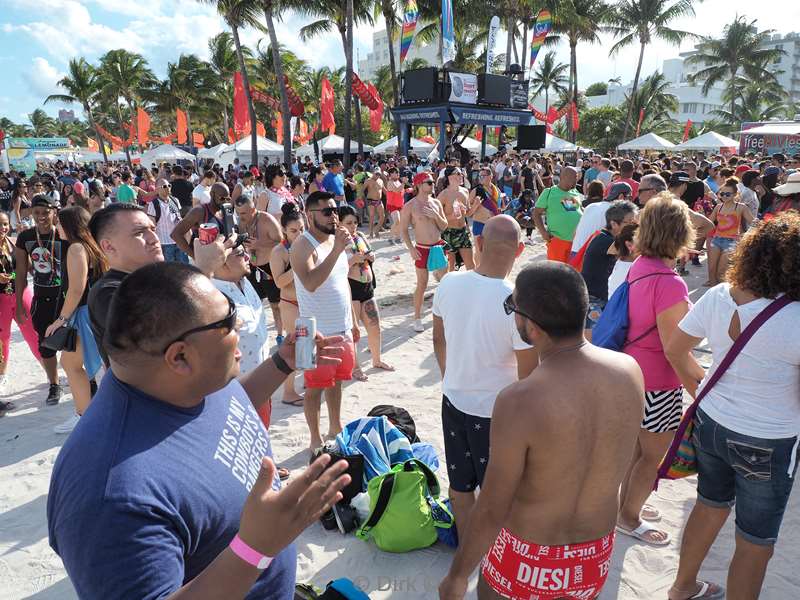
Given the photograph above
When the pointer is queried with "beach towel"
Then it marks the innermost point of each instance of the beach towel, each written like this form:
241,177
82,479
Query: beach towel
380,443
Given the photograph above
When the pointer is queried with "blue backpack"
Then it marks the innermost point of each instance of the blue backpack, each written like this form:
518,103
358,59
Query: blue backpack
611,330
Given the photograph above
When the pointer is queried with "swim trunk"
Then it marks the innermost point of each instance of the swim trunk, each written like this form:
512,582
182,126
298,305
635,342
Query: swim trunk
517,569
466,447
375,203
457,238
361,291
558,249
477,227
663,410
264,284
325,376
424,251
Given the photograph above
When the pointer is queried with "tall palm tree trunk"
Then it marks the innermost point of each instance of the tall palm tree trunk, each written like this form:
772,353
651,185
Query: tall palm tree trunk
348,80
225,124
524,49
189,132
388,16
509,40
277,62
359,127
547,99
251,110
633,92
124,136
734,92
88,110
514,43
573,74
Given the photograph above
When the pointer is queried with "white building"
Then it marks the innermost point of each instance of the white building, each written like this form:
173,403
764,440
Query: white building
379,56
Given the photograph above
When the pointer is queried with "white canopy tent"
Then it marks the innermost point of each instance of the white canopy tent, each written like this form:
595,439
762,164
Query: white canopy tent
390,146
648,141
332,144
555,144
213,152
471,144
243,151
710,140
164,153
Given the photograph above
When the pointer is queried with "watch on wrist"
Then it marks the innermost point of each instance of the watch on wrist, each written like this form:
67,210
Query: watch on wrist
281,364
248,554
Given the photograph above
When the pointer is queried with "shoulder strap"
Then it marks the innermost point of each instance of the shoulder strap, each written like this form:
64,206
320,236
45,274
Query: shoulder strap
384,495
430,479
741,341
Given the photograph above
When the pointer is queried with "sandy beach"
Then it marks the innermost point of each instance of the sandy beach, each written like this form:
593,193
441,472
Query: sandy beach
28,449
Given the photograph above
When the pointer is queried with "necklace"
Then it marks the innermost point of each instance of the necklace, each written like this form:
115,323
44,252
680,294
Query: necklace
560,350
54,280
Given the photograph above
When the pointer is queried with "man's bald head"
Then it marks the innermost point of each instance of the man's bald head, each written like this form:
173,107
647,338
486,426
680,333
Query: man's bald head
501,230
569,177
218,191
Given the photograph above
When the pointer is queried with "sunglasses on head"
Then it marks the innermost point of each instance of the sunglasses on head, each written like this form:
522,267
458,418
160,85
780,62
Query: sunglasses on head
326,212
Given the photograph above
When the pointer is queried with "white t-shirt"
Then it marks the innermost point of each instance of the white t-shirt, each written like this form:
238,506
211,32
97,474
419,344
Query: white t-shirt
759,394
253,333
481,339
604,177
202,194
276,201
618,275
592,219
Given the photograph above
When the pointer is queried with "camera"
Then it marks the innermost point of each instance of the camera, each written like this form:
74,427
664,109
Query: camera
228,225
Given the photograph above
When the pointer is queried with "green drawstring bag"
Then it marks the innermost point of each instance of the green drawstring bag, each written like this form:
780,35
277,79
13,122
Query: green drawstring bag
436,258
400,517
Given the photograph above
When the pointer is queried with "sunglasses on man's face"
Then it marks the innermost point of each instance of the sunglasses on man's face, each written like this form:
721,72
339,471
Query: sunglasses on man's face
228,322
510,307
326,212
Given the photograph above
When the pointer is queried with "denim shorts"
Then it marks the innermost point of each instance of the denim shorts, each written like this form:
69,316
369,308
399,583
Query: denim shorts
596,306
724,244
752,473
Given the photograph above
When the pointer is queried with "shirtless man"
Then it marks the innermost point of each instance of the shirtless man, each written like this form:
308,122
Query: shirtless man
483,204
426,216
454,200
373,189
557,460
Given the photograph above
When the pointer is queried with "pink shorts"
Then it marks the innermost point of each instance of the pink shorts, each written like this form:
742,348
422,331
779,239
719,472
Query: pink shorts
325,376
523,570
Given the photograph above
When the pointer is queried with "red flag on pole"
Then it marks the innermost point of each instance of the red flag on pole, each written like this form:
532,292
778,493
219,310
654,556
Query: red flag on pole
686,130
277,123
198,139
241,115
231,138
376,114
639,124
142,126
91,144
260,129
576,123
479,134
326,103
181,126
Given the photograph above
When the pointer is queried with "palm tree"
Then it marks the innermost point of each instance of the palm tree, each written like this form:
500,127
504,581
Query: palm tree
82,86
224,62
271,12
757,101
642,21
549,75
388,8
41,123
578,21
237,14
740,51
658,105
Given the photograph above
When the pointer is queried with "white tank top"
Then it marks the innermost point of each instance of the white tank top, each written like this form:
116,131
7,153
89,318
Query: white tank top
330,303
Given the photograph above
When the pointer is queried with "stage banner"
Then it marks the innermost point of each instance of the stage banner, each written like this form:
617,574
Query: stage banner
494,28
463,87
448,32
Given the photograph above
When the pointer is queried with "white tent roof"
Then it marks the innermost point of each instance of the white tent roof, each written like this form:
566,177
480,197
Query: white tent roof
474,145
264,145
213,152
333,144
556,144
164,152
710,140
648,141
775,129
390,146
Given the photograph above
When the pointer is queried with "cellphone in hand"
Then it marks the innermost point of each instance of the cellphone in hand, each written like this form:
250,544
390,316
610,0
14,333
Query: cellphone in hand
228,226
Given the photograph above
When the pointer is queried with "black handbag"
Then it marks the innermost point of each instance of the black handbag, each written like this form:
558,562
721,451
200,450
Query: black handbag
65,339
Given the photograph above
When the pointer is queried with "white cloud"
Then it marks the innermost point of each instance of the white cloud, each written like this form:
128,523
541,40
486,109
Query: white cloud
42,78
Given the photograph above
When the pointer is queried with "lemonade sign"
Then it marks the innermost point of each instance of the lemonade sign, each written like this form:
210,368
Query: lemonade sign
20,154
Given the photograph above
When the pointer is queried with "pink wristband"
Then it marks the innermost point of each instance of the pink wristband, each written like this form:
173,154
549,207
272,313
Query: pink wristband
248,554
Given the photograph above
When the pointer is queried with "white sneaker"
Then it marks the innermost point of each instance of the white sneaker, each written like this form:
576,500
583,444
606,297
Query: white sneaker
418,326
68,425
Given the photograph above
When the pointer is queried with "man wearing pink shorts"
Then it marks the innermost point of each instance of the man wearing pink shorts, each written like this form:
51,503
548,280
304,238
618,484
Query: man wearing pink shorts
320,271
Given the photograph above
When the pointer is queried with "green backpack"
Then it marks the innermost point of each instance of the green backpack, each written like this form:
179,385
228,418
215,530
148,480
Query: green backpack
400,516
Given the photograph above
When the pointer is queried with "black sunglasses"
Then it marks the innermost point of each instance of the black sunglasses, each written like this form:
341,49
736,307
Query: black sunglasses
726,194
510,307
428,181
326,212
228,322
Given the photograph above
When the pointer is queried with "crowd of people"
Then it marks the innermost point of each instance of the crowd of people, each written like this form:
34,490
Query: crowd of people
169,356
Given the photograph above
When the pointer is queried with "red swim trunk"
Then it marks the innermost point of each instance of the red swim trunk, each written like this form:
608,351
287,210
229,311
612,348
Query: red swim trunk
523,570
558,249
325,376
424,251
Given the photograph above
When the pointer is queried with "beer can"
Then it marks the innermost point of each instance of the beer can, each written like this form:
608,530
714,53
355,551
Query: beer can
208,233
305,345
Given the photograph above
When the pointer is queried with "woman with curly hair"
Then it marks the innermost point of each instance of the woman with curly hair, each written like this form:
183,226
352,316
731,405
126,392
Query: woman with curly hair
746,427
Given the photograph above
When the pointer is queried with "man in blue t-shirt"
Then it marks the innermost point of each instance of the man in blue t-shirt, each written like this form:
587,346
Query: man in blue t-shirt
333,181
167,482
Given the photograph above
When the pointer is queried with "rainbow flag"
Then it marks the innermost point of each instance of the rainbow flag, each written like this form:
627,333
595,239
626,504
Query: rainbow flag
409,26
541,28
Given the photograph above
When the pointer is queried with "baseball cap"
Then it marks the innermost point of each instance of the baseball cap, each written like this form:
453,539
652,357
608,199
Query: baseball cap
618,189
716,164
77,187
452,171
42,200
772,170
678,178
422,177
741,169
255,171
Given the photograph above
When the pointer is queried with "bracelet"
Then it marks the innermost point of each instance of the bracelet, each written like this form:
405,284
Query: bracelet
281,364
248,554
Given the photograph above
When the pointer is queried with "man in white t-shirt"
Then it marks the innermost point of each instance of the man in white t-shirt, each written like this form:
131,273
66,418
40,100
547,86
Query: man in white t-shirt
594,215
202,192
479,352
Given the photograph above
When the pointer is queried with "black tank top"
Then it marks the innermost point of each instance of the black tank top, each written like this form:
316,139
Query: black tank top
694,191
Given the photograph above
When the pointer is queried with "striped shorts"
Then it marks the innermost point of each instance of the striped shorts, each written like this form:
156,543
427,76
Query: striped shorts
662,410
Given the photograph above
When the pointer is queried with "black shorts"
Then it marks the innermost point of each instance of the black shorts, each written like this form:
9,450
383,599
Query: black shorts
45,309
466,447
361,291
264,284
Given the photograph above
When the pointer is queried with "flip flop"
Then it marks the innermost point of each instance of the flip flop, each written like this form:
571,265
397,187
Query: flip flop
384,366
298,402
359,376
650,513
283,473
706,592
641,532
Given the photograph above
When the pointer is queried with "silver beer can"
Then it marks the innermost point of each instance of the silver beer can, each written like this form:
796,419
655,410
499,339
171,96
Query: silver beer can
305,345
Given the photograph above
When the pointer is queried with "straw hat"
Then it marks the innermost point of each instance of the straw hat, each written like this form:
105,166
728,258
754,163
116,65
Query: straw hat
792,186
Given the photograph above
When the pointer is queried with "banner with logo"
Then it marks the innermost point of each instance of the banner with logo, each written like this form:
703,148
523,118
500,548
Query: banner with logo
494,28
448,32
20,152
410,18
463,88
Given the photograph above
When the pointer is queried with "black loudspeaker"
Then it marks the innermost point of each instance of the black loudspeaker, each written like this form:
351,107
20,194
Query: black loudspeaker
519,94
531,137
494,89
421,85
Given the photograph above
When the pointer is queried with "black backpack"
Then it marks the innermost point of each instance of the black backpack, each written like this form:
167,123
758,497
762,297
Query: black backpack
399,417
172,203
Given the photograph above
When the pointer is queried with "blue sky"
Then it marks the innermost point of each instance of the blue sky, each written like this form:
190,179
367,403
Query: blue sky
38,37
